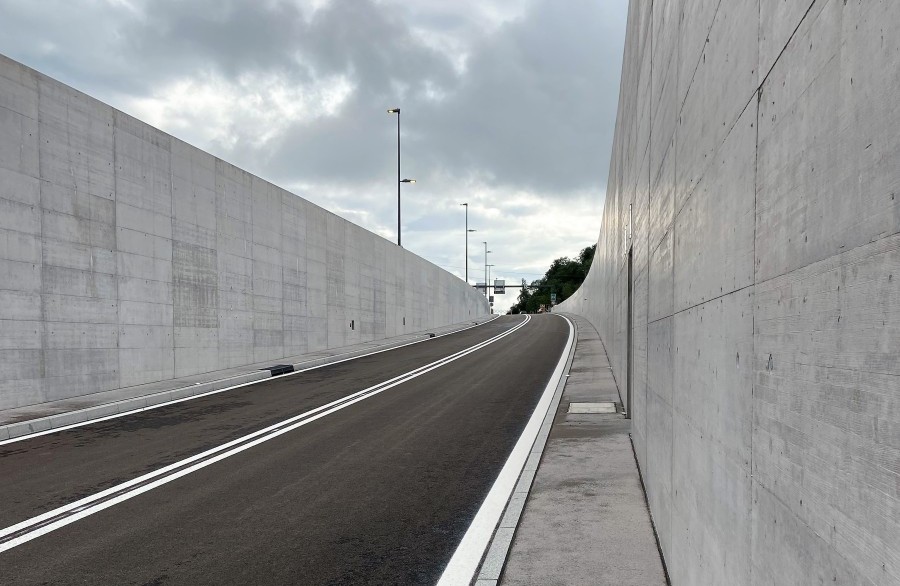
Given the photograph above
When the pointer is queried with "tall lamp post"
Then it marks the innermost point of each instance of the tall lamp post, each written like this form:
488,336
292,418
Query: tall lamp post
467,240
399,181
398,207
488,295
486,252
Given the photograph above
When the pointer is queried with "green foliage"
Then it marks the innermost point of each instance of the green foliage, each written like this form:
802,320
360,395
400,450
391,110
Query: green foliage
563,277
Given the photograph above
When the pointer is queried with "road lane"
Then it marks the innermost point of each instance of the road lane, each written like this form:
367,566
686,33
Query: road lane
49,471
380,492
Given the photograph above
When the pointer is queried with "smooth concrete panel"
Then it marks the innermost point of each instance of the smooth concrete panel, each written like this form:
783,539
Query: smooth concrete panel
76,140
722,86
662,176
639,340
710,513
695,21
657,469
786,551
662,280
714,231
778,20
829,160
713,372
19,305
827,402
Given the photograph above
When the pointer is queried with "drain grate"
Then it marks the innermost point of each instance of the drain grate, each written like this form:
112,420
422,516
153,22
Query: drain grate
608,407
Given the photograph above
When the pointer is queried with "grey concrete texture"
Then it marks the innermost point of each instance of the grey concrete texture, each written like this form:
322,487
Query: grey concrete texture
129,257
753,178
586,519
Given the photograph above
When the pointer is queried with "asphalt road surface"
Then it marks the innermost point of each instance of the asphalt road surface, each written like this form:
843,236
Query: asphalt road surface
378,492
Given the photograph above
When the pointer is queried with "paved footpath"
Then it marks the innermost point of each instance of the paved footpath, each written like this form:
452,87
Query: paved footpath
585,519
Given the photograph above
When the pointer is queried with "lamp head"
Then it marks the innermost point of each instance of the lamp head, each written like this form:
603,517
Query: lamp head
394,111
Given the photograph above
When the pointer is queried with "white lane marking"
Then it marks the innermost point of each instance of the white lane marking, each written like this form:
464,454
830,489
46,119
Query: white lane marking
100,501
216,391
461,569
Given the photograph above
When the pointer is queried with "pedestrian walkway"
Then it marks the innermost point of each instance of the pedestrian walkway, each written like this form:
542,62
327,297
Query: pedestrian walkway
586,519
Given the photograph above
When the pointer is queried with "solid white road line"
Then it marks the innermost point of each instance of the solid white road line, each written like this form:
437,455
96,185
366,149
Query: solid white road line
461,569
216,391
35,527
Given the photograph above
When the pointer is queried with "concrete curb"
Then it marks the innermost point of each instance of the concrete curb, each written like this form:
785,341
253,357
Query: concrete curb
136,404
492,565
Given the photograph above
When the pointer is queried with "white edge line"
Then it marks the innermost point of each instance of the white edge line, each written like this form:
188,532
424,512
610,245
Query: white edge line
498,551
208,393
462,567
300,420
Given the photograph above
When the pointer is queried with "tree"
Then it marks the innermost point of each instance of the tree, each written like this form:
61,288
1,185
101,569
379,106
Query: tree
564,277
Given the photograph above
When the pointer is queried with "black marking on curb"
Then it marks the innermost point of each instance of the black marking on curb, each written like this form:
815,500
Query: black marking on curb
279,369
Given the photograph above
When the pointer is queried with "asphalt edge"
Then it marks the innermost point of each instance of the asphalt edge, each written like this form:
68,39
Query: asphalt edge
491,568
21,429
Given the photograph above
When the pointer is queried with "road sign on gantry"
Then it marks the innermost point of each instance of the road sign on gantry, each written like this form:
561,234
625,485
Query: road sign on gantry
499,286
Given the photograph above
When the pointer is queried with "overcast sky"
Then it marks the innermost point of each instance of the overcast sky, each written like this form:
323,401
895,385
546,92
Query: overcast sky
508,105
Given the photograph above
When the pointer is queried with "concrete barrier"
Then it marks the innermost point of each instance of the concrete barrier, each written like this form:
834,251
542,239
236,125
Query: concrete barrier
746,286
128,256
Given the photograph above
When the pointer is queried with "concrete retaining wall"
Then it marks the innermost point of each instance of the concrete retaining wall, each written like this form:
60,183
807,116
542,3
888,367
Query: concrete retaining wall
755,178
128,256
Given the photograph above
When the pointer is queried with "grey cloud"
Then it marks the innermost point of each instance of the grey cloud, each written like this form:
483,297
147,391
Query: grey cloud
526,113
231,36
529,111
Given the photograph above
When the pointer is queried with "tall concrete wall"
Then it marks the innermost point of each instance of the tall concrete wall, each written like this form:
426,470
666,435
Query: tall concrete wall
755,178
128,256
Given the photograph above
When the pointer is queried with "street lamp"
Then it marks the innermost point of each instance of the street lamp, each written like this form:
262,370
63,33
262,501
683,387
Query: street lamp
399,181
486,252
467,240
489,277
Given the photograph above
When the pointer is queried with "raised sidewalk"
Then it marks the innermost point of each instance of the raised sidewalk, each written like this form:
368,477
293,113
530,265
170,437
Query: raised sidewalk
585,519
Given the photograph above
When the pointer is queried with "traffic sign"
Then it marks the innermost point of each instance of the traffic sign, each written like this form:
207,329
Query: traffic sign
499,286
